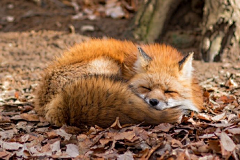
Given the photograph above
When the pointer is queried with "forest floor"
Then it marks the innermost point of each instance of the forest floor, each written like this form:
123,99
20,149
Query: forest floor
35,36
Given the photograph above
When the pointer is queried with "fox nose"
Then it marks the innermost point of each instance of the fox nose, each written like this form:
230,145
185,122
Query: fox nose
153,102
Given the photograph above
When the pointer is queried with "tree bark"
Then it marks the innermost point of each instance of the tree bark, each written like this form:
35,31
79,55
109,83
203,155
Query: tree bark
220,26
151,18
220,29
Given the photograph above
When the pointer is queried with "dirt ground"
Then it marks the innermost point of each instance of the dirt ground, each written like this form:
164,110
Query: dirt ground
38,34
43,31
49,25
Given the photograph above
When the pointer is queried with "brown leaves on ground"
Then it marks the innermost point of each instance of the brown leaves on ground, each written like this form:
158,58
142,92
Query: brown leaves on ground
213,134
214,137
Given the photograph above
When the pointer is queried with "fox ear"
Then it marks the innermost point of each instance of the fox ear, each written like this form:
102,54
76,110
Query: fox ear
185,66
142,60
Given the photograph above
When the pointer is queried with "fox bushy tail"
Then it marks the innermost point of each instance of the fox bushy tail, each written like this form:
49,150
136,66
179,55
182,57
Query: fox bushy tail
98,100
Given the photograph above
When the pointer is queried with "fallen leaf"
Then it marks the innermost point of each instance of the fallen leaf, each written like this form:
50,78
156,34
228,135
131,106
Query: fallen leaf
140,132
87,28
207,136
62,133
181,156
7,134
46,148
84,143
4,119
203,149
55,147
176,143
71,129
51,134
204,116
42,130
24,138
3,154
115,12
29,117
234,130
160,149
116,124
10,145
165,127
124,135
23,152
16,117
72,150
226,99
105,141
126,156
214,145
226,142
231,83
218,117
16,94
33,150
221,125
26,109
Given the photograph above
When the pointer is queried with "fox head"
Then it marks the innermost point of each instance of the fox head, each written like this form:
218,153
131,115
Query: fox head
163,78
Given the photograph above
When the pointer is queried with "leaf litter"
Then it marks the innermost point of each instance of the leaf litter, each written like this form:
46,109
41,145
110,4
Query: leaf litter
212,134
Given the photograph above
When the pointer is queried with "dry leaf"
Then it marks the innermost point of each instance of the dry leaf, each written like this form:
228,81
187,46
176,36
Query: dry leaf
218,117
7,134
234,130
24,138
207,136
4,119
124,135
204,116
10,145
51,134
176,143
116,124
126,156
55,147
226,142
231,83
71,129
165,127
221,125
3,154
84,143
62,133
105,141
72,150
214,145
226,99
29,117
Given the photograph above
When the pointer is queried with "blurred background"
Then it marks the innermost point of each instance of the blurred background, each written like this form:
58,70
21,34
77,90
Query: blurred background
209,28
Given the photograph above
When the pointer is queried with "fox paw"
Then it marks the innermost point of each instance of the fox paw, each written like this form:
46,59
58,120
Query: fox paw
54,112
54,118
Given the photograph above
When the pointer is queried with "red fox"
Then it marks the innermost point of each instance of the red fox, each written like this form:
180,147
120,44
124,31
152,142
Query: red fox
99,80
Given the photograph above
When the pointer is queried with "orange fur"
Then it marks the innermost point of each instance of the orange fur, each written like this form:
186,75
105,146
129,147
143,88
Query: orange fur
80,87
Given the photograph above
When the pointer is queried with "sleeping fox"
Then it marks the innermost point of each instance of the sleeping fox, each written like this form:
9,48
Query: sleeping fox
96,81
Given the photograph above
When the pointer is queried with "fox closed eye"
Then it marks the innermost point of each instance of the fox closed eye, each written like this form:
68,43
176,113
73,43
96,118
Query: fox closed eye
169,91
146,88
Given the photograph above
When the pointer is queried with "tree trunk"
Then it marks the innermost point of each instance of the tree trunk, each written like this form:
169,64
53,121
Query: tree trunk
151,18
220,29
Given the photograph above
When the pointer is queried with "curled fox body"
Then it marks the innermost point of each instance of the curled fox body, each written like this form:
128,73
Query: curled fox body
99,80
